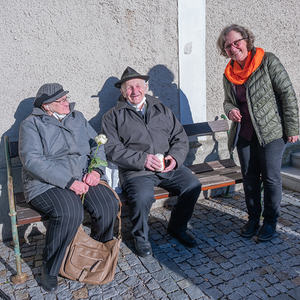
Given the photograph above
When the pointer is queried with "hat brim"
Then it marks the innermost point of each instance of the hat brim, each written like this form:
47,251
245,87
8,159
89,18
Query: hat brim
119,83
52,99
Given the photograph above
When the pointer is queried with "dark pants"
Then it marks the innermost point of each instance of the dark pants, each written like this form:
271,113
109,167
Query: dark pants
65,213
140,194
261,164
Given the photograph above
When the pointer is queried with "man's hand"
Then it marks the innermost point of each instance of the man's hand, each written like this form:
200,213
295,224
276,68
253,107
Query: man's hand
170,165
235,115
92,178
152,163
293,139
79,187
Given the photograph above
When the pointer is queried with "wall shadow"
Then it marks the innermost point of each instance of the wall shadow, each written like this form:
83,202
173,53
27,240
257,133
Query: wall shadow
108,97
161,83
23,110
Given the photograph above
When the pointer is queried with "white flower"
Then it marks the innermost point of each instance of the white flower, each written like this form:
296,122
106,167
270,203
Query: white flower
101,139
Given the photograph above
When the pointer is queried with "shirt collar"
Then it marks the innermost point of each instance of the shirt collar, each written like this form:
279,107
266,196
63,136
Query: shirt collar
139,107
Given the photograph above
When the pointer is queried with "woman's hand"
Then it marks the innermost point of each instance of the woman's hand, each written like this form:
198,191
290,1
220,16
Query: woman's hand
79,187
235,115
293,139
92,178
170,165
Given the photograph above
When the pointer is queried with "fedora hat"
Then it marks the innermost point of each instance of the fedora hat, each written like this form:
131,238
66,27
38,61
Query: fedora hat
48,93
128,74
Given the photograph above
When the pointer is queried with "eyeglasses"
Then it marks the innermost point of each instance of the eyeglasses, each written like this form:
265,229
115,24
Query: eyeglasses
63,100
235,44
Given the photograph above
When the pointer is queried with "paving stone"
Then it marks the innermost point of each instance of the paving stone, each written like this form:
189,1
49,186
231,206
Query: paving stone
159,294
295,293
243,291
214,293
184,283
64,295
153,285
160,275
234,296
271,291
178,295
194,292
225,288
110,293
140,291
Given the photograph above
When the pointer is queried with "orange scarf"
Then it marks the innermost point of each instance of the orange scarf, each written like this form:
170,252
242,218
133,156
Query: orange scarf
235,74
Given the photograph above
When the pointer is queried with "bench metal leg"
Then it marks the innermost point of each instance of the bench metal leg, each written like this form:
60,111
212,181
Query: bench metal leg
20,277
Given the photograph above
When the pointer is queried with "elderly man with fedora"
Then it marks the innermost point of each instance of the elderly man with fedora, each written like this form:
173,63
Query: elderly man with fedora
138,128
55,146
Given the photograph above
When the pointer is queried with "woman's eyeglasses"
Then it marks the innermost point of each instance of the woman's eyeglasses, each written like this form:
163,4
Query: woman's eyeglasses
235,44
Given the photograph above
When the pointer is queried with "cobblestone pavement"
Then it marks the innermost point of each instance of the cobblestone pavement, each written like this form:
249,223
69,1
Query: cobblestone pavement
223,266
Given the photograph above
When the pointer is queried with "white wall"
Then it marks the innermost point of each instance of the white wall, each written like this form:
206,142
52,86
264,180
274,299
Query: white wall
85,46
192,72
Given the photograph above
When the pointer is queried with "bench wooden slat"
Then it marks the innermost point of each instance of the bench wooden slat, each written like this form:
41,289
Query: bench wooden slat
206,128
212,165
27,215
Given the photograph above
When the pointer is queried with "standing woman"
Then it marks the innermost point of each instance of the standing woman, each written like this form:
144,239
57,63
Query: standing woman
261,103
56,143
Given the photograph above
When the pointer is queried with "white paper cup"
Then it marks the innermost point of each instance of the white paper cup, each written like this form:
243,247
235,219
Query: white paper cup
162,161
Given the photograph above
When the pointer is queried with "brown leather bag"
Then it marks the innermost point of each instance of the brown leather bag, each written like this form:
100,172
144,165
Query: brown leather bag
90,261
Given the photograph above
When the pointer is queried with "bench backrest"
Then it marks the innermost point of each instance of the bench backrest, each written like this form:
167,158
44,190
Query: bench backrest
206,128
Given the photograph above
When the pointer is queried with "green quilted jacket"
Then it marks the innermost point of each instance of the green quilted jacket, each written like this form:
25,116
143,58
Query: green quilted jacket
271,99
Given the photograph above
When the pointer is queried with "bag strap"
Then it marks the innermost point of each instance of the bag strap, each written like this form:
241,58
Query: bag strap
102,182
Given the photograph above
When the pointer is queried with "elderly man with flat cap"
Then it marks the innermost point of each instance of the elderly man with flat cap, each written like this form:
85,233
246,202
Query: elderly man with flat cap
56,144
138,128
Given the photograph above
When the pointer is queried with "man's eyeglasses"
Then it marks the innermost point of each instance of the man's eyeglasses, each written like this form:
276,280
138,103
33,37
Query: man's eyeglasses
63,100
235,44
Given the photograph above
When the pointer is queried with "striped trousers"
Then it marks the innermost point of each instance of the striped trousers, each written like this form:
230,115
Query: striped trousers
65,212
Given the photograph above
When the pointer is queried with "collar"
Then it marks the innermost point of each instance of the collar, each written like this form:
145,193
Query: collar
139,107
39,112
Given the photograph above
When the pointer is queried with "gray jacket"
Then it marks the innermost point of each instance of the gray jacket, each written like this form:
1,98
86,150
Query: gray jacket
271,100
54,153
131,137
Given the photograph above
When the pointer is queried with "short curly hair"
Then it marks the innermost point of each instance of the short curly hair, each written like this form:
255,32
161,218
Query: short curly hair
246,34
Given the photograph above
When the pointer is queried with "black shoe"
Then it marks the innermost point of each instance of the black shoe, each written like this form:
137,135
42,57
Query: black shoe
250,229
48,282
142,248
183,237
266,232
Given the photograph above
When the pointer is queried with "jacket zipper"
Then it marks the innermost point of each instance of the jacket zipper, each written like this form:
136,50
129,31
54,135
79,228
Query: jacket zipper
250,108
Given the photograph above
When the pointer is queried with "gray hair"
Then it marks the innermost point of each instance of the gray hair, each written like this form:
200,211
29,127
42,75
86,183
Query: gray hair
246,34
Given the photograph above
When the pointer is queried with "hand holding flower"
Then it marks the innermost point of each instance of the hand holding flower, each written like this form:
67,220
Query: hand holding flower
79,187
92,177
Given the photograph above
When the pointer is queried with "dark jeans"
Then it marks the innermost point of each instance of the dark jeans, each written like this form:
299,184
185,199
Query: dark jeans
261,164
140,194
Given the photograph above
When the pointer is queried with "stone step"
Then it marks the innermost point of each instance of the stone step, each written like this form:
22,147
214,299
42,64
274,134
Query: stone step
291,178
295,160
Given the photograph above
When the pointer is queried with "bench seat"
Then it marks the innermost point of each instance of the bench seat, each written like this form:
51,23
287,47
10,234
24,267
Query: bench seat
212,175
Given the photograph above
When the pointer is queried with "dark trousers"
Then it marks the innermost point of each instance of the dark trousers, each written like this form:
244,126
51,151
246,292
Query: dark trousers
140,194
261,164
65,212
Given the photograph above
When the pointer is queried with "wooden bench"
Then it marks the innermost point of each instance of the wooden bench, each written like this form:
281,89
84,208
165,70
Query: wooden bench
212,175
